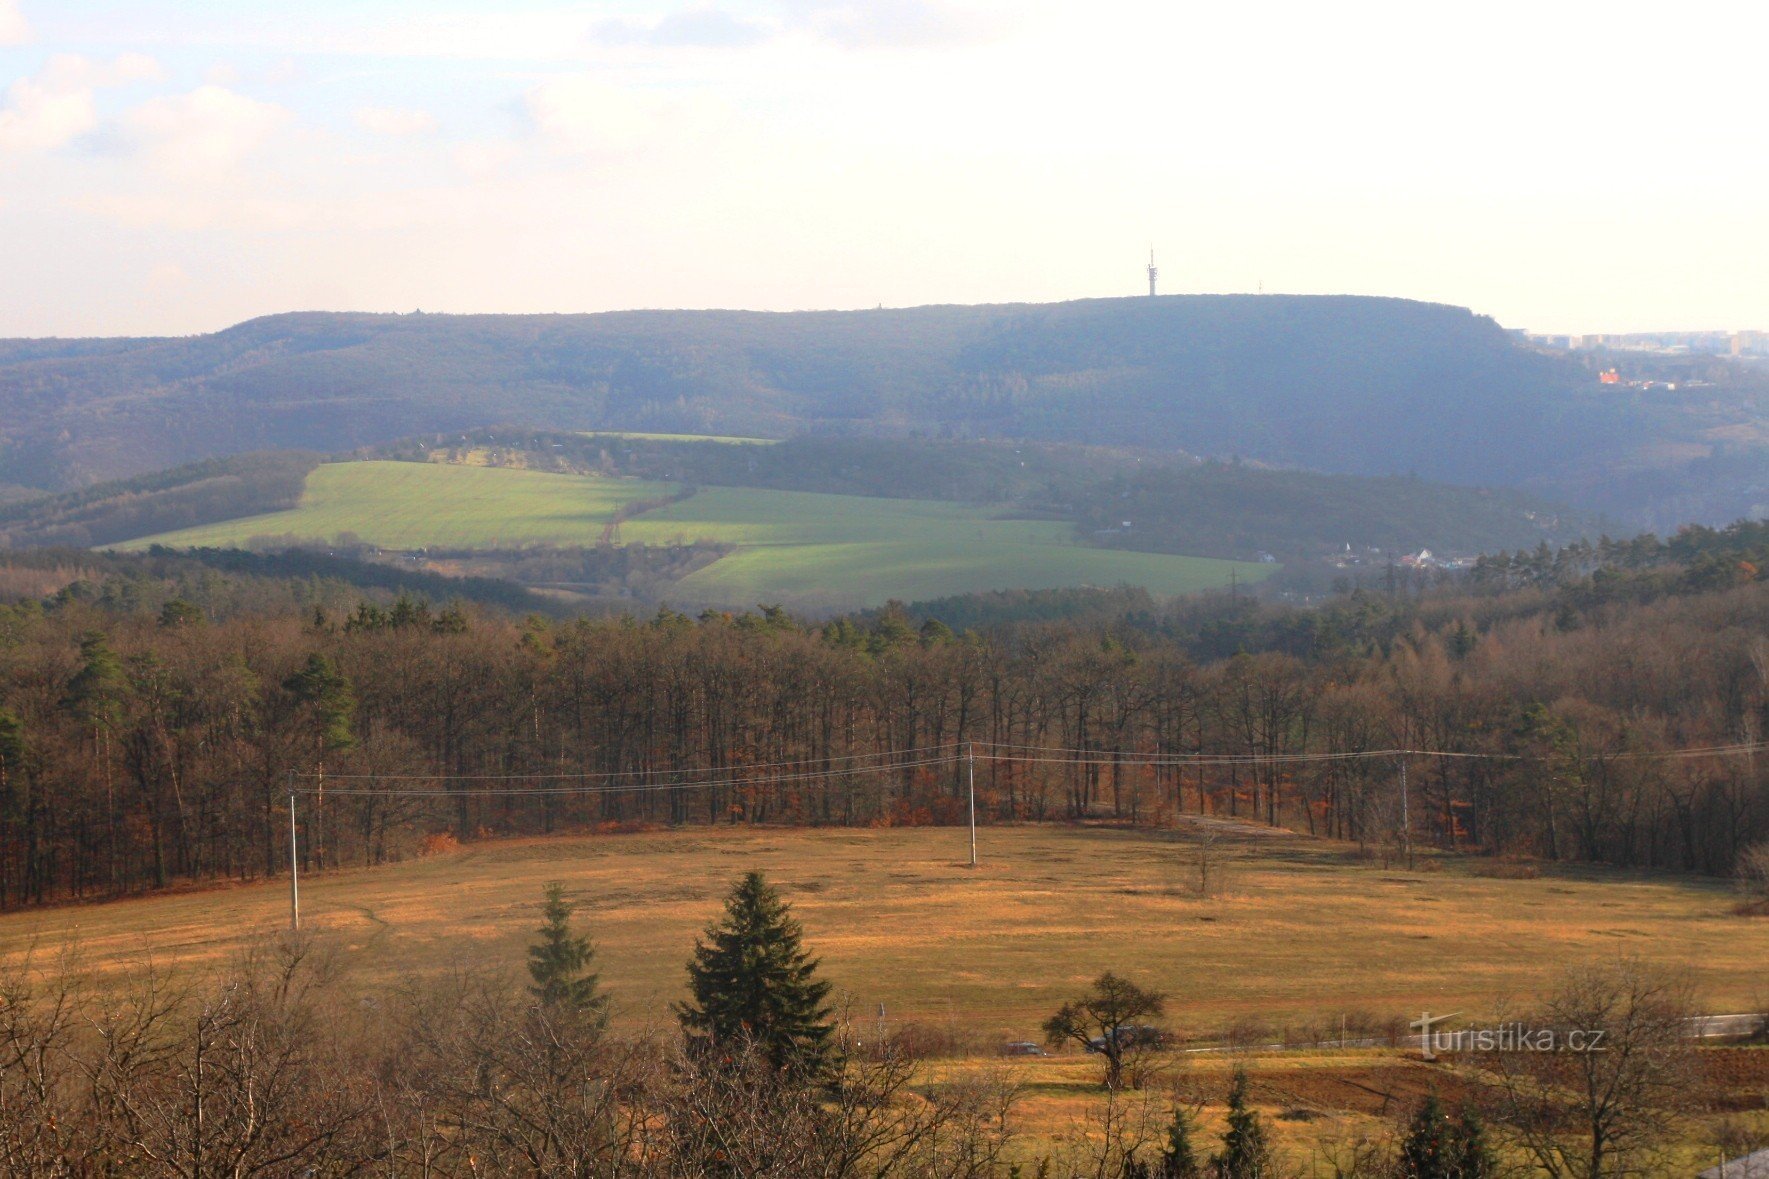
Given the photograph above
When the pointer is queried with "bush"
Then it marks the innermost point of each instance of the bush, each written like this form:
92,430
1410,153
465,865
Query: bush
1753,871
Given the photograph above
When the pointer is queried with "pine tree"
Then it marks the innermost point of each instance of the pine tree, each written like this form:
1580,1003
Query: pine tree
752,982
557,962
1178,1159
1245,1152
331,698
1438,1148
96,692
1429,1149
1474,1157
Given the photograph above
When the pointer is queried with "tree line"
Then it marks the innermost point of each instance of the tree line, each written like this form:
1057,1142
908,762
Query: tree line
140,745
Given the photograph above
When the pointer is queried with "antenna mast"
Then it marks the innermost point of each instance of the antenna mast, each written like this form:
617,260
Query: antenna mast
1152,272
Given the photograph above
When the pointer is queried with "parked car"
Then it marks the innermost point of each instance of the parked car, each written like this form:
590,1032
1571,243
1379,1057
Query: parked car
1023,1048
1132,1035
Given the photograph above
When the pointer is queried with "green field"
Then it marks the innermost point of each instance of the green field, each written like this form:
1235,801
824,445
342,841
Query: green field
423,505
806,547
800,548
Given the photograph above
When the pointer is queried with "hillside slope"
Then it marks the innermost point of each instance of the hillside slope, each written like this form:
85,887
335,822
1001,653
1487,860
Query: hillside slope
1342,384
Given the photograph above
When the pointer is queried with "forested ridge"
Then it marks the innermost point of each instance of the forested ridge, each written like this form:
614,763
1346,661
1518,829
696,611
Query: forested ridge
1339,384
146,739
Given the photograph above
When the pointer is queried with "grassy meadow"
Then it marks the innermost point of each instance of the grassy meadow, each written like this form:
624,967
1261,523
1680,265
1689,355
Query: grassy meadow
1303,932
801,548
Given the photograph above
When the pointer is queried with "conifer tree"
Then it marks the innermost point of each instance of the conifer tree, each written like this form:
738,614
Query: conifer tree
1178,1159
1246,1154
1428,1151
1474,1155
329,695
558,962
1437,1147
753,982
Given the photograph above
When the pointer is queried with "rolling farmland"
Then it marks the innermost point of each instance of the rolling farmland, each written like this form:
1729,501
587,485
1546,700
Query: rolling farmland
800,548
416,505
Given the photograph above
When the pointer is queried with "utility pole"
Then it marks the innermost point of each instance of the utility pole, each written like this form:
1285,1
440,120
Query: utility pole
1406,822
294,863
970,759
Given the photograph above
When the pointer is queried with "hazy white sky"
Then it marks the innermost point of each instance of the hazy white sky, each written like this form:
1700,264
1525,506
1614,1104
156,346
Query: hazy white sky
171,166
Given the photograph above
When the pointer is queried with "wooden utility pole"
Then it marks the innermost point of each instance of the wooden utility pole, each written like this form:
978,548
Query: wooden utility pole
970,759
1406,820
294,863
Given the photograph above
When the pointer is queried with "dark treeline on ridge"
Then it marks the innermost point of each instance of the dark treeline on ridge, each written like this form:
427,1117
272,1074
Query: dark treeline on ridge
106,513
144,744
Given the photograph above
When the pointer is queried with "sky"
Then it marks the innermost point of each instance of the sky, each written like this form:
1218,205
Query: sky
176,166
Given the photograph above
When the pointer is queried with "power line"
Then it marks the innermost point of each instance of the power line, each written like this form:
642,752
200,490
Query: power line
636,788
1019,754
584,774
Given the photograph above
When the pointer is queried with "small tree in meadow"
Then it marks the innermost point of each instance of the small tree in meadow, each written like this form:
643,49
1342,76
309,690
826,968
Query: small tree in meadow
1246,1152
1105,1020
559,962
754,984
1438,1146
1179,1159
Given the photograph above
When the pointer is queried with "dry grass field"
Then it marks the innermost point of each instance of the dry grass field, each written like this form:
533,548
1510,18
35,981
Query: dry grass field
1303,932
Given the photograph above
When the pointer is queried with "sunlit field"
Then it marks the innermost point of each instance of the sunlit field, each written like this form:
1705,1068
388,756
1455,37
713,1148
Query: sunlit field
1303,932
798,548
419,505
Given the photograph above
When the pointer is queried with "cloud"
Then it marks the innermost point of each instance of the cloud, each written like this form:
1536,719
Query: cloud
902,24
582,114
208,130
386,120
694,28
14,29
59,103
484,157
578,113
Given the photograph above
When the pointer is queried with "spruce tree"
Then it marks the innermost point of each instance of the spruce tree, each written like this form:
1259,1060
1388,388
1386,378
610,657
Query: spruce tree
1178,1159
753,983
559,960
1245,1152
1429,1149
1438,1148
1474,1156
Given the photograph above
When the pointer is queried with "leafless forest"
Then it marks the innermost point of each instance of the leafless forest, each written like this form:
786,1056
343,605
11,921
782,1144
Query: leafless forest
143,745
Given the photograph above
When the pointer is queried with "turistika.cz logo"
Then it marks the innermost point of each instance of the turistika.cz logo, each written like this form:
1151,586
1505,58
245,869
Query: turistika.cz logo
1504,1037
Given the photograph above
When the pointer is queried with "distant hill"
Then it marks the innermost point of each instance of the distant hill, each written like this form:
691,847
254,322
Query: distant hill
1337,384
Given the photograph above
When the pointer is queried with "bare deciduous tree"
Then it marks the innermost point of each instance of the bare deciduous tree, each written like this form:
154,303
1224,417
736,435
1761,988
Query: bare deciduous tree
1600,1102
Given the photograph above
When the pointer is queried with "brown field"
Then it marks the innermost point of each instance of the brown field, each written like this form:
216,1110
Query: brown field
1305,932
